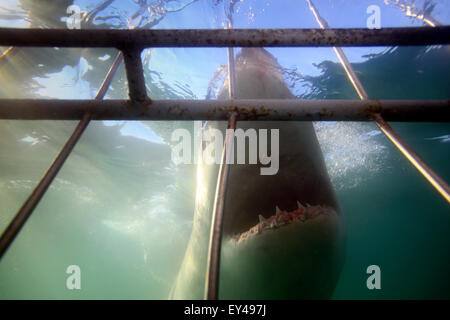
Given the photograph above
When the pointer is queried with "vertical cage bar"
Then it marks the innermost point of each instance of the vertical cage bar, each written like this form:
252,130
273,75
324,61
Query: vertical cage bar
231,66
135,74
215,242
231,74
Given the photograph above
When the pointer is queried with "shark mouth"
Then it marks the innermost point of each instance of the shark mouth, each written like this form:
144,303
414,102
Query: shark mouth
283,218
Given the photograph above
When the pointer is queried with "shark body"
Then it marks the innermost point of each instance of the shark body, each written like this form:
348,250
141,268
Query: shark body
283,235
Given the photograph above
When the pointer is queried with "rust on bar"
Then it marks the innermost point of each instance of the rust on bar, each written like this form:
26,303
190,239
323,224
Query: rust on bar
248,109
147,38
135,74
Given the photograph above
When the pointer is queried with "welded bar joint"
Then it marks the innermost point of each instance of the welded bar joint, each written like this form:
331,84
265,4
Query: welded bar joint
135,74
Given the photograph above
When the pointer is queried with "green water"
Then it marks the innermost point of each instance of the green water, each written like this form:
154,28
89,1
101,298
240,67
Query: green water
122,211
400,223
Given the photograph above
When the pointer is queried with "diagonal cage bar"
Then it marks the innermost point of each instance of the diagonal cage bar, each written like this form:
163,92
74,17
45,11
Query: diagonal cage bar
30,204
27,208
7,54
432,177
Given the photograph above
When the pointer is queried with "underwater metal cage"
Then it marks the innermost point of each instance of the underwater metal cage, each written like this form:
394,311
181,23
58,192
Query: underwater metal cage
139,106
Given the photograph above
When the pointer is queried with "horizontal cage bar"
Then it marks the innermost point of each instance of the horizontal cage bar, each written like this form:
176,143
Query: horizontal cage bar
275,109
125,39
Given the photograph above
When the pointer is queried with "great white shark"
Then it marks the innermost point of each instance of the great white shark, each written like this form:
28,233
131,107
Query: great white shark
283,234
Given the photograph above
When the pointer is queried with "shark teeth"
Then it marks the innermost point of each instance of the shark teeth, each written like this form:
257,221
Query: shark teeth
277,210
280,221
282,218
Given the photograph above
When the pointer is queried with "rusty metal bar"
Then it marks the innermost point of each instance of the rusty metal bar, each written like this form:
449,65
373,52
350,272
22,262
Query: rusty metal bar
135,75
248,109
213,265
30,204
123,39
437,182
